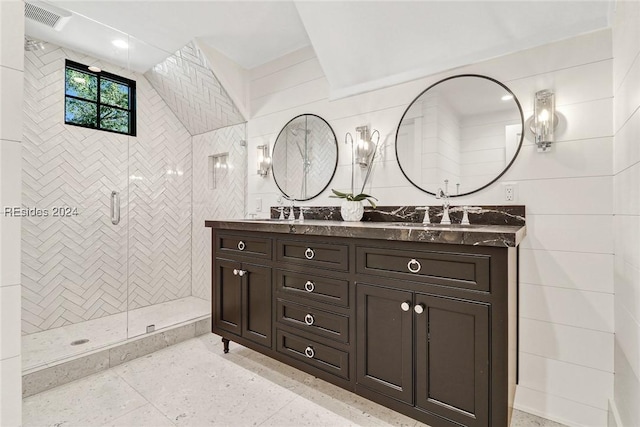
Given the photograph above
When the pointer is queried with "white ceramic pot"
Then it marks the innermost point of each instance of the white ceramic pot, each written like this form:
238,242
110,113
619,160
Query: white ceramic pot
351,211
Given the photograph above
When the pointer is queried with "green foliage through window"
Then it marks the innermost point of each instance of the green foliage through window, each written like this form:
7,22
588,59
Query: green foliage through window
99,100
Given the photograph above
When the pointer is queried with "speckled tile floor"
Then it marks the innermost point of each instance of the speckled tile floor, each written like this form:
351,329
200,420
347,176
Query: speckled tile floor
195,384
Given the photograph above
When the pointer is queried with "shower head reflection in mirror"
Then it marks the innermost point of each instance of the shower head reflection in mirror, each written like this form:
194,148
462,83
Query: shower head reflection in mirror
466,129
305,157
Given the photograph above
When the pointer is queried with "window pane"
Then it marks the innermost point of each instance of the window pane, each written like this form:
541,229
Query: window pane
114,119
114,93
80,112
81,84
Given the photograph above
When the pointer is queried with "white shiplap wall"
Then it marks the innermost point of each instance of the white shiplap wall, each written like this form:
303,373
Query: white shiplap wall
566,278
11,85
626,190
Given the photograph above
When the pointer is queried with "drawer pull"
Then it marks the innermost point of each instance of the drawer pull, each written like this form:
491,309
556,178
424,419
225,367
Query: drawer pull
419,308
309,286
242,272
308,319
405,306
235,272
241,245
309,352
309,253
414,266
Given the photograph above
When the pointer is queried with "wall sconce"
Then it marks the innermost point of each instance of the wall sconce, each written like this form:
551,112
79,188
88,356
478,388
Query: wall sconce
264,160
544,119
364,146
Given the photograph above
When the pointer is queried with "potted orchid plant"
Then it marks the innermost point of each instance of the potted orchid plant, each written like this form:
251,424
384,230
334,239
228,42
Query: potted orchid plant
352,208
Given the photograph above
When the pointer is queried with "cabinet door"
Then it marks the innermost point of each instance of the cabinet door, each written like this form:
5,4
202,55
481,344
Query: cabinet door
452,359
384,341
256,290
228,296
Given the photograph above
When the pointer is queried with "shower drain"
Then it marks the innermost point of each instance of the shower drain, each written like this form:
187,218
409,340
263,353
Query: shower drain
80,342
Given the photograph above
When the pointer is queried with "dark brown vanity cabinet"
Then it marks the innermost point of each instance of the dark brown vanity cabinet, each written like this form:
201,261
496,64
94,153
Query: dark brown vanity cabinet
426,329
242,298
425,350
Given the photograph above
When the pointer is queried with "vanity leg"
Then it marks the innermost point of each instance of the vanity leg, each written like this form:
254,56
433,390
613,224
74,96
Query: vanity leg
225,343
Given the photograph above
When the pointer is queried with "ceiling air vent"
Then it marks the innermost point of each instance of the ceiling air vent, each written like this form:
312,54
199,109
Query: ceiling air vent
46,14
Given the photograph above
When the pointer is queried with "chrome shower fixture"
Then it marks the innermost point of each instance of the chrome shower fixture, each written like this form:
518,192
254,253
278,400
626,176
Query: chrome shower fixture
33,44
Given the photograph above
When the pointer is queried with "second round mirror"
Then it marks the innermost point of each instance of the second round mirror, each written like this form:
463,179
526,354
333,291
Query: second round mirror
465,130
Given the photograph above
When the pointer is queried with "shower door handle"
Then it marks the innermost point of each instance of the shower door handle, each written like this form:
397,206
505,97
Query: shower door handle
115,207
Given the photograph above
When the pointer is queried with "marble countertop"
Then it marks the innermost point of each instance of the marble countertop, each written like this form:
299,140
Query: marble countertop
475,234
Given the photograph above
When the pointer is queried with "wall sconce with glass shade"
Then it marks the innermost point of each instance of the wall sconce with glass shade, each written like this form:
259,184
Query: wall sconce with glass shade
264,160
365,147
544,120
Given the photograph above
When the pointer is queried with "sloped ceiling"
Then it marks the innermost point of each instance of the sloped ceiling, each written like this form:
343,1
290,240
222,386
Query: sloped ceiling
366,45
185,82
361,45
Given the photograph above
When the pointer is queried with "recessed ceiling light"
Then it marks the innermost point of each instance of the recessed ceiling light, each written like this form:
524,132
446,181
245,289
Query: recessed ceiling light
79,80
507,97
95,69
120,43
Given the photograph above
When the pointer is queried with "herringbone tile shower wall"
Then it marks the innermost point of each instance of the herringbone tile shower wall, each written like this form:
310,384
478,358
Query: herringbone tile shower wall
226,200
189,87
76,268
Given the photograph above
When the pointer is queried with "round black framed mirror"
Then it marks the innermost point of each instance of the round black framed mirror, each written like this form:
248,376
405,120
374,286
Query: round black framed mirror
305,157
466,130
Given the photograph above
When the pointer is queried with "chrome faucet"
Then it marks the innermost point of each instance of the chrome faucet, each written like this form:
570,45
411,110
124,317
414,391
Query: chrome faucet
444,195
292,215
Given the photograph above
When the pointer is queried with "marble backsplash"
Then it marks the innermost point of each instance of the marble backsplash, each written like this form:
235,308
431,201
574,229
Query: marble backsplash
486,215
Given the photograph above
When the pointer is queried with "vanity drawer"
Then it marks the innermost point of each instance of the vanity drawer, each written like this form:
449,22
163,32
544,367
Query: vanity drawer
448,269
325,255
313,287
244,245
321,356
309,319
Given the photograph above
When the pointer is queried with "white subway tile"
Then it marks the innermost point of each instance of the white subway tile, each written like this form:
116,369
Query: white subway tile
588,386
572,270
570,344
11,84
583,309
558,409
10,305
11,392
575,233
12,34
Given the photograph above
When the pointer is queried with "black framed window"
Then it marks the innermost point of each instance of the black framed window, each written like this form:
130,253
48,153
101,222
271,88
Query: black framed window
99,100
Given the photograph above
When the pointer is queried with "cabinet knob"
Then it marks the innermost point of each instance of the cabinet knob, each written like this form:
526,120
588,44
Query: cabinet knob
309,352
308,319
414,266
241,245
309,253
309,286
235,271
405,306
242,272
419,308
